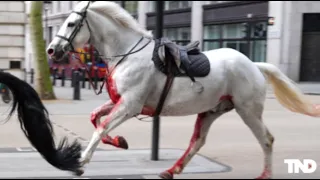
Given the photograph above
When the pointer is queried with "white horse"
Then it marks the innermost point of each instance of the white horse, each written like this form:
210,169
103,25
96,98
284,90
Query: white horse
135,84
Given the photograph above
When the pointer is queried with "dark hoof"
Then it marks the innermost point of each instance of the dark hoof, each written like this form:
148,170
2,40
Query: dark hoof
78,172
166,175
123,143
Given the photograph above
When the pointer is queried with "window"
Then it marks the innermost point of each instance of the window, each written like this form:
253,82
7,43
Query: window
131,6
207,45
181,36
170,5
251,42
15,64
212,32
259,30
217,2
259,50
233,31
241,46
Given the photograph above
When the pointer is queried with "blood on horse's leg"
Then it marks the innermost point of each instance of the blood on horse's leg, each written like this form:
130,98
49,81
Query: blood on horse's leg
198,139
100,111
119,113
117,141
96,114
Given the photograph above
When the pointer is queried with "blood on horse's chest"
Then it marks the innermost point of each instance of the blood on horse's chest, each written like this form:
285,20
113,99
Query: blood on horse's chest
112,90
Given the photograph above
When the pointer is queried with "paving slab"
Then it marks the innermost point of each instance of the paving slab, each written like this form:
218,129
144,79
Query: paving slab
115,163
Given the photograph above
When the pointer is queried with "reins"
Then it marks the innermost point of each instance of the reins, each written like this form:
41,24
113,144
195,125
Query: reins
107,68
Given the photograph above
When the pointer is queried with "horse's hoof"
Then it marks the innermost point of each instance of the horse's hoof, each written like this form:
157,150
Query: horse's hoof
266,174
122,143
78,172
263,176
166,175
260,177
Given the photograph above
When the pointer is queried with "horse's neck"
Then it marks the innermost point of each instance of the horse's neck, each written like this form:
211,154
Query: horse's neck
111,39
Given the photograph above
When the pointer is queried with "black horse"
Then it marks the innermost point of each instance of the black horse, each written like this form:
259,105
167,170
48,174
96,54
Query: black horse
37,127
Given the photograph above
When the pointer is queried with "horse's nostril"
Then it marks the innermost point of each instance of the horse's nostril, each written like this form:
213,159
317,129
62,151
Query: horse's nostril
50,52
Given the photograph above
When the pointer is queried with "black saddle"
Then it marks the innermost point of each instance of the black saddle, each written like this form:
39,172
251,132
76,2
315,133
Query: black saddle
188,60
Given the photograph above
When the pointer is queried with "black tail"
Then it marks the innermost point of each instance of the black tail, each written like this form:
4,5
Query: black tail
36,125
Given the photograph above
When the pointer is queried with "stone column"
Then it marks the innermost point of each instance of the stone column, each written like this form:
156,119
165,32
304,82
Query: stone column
196,22
142,10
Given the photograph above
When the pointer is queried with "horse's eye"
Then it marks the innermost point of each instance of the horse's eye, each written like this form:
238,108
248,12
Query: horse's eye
71,24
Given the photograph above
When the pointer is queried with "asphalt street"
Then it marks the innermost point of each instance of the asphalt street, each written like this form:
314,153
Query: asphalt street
231,150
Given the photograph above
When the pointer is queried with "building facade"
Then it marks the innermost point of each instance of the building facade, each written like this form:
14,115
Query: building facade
294,39
12,36
289,41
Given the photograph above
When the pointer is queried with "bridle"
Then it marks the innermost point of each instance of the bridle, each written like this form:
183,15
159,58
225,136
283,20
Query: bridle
77,28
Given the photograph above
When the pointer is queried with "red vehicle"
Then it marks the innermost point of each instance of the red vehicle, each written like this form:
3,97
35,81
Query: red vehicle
78,61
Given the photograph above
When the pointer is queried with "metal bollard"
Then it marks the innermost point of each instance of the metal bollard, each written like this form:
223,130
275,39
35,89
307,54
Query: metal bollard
83,78
24,74
55,71
63,77
76,87
95,78
72,77
32,76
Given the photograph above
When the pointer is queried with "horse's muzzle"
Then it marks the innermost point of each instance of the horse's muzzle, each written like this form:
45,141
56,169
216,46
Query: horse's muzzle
56,54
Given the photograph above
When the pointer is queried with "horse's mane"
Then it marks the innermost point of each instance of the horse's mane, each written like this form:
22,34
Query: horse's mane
119,15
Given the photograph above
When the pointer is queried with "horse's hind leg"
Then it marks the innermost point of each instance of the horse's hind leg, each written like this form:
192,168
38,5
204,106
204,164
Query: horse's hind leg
252,116
198,139
96,114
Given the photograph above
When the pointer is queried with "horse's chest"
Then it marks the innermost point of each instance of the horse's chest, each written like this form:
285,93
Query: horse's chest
112,90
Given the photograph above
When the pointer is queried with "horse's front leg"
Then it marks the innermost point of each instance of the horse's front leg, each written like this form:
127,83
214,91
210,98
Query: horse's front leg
103,110
122,111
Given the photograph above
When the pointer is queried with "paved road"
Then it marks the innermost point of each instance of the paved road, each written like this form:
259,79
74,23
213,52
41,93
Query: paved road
229,142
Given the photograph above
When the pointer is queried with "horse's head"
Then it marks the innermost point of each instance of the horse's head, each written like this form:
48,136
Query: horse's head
73,34
109,27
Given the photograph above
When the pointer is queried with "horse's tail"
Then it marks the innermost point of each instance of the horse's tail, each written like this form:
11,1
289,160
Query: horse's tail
36,125
286,91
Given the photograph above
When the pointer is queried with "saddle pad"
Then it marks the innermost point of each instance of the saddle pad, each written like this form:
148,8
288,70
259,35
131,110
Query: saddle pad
199,67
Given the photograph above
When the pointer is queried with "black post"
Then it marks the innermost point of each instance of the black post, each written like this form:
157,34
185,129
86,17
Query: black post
55,72
72,77
24,74
32,75
63,77
95,78
83,77
89,77
76,87
156,119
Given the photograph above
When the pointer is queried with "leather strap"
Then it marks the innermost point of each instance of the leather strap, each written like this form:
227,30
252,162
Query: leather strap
165,91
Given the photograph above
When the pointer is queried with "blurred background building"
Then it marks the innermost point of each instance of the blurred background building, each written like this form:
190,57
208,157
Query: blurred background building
284,33
12,36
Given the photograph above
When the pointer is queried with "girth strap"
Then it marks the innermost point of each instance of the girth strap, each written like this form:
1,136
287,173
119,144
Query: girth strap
165,91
